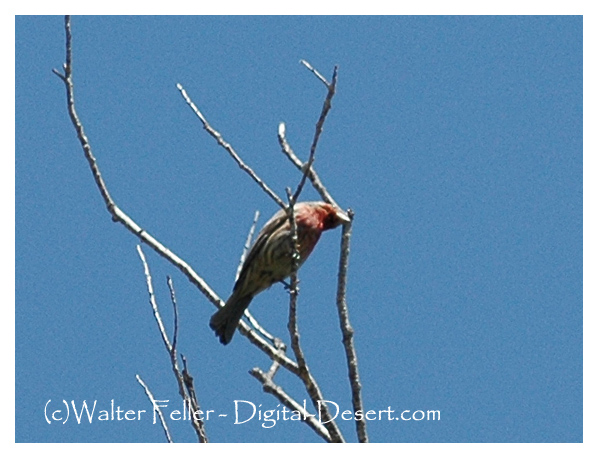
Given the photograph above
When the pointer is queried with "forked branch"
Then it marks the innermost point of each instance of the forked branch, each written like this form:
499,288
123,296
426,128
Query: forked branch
120,216
329,430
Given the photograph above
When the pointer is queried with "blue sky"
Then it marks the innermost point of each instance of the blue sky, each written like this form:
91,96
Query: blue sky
456,140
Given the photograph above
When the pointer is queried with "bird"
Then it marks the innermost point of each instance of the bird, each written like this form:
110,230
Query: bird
269,260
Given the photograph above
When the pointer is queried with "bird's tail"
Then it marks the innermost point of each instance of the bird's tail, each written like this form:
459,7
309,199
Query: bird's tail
225,320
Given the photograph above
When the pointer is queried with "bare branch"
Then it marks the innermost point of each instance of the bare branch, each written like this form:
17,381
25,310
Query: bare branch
197,424
192,403
156,408
58,74
315,72
312,175
227,146
171,289
119,216
319,124
273,368
267,348
150,288
348,331
304,372
328,429
248,315
248,244
271,388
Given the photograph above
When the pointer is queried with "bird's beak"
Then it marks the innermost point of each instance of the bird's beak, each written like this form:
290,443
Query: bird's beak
342,216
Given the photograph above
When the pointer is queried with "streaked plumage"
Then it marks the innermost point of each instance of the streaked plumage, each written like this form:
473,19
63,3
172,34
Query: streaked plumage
269,259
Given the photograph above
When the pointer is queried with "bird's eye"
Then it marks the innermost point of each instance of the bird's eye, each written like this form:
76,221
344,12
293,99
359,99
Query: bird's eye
330,220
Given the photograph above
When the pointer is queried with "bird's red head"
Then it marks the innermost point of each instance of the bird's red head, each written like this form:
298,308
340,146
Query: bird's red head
319,215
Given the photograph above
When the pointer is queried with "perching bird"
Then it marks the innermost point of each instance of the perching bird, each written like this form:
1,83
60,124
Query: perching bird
270,258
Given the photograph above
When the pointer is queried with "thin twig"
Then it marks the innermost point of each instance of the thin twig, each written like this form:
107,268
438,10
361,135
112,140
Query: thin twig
119,216
315,72
192,400
171,289
319,124
304,372
150,288
348,331
312,175
282,347
227,146
267,348
190,397
156,408
247,245
248,315
271,388
197,424
272,371
274,352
